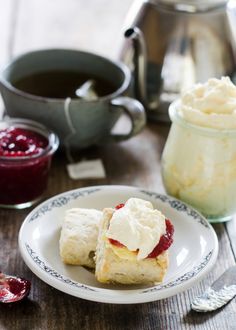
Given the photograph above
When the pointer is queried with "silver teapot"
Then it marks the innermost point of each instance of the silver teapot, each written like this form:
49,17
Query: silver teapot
172,44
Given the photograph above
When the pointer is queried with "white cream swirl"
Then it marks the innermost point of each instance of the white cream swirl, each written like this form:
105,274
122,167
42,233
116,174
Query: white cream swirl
212,104
138,226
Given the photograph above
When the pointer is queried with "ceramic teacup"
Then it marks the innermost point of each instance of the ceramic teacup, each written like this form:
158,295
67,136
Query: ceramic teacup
79,123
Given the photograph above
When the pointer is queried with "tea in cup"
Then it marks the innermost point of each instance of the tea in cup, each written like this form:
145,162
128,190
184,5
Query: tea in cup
45,86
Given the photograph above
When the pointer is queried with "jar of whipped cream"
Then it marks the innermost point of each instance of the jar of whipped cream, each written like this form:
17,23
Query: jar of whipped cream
199,158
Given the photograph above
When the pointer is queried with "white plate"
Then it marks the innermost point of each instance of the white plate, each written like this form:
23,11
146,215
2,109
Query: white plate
192,254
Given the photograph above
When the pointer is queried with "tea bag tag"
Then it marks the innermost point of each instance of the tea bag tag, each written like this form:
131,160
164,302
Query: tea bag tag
87,169
86,91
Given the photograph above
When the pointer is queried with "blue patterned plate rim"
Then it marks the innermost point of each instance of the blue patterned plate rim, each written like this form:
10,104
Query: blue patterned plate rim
93,293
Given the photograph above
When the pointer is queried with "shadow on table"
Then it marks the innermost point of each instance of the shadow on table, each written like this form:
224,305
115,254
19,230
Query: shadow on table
195,318
17,315
60,311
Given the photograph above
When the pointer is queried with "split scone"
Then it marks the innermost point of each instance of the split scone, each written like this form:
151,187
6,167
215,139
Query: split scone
132,244
79,236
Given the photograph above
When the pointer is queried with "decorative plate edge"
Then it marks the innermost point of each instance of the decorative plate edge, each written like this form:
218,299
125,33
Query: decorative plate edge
53,272
61,201
183,278
179,206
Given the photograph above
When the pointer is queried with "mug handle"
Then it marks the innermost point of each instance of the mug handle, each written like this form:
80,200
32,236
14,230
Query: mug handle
135,111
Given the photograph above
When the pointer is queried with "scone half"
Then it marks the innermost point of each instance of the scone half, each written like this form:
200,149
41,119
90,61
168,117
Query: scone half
78,238
119,265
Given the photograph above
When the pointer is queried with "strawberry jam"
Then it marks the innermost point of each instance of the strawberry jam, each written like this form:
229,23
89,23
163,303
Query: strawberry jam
165,241
25,158
119,206
13,289
20,142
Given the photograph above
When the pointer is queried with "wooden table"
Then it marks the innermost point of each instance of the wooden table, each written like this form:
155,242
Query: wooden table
30,24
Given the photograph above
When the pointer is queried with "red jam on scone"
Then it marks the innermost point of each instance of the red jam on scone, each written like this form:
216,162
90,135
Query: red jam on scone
165,241
133,244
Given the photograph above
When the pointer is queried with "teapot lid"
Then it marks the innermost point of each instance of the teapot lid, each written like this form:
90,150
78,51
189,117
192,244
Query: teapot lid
192,6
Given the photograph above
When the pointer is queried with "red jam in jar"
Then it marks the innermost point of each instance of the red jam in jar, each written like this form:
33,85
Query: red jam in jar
26,149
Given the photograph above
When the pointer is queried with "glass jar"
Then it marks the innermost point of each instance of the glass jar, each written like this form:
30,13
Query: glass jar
199,167
26,149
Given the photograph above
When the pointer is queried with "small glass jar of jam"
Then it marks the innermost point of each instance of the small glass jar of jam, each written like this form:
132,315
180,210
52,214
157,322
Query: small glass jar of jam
26,149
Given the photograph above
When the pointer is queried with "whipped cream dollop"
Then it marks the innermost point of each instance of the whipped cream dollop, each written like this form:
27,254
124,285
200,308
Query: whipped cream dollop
212,104
138,226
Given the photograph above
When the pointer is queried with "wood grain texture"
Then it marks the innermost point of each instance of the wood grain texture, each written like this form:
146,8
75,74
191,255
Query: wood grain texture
48,308
94,25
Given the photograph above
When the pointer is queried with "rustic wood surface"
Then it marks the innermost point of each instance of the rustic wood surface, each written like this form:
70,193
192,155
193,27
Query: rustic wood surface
92,25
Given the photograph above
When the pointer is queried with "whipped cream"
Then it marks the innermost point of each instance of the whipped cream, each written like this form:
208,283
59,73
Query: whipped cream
198,168
212,104
138,226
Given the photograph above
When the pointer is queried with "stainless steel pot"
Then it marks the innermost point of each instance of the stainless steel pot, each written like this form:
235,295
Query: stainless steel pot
172,44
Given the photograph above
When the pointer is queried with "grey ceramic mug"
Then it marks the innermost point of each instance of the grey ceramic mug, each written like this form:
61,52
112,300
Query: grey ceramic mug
79,123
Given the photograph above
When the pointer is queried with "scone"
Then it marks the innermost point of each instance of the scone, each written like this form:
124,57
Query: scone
79,235
132,244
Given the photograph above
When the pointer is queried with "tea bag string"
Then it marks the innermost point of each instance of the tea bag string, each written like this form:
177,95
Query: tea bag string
71,128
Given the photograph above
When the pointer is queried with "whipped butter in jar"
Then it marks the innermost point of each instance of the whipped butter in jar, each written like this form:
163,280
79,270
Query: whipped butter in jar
199,158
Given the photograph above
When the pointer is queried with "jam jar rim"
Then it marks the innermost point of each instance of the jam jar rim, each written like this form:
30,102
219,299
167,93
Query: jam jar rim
53,140
208,131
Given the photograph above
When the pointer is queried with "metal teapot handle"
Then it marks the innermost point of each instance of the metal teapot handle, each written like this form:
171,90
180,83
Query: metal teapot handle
139,61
